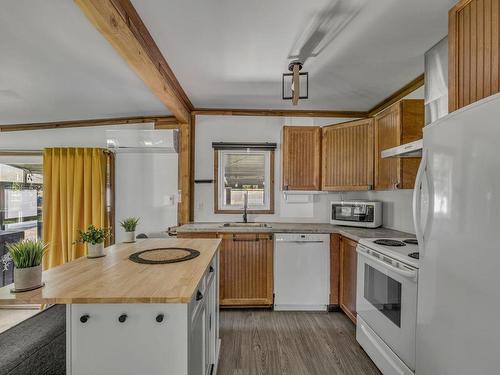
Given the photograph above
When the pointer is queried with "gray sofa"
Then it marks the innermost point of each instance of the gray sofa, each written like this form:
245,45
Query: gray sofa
35,346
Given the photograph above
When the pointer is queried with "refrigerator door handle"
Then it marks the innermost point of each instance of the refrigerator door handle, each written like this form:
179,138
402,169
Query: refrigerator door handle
417,203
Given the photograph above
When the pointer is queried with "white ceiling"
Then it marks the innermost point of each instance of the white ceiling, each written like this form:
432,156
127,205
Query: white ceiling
231,53
54,66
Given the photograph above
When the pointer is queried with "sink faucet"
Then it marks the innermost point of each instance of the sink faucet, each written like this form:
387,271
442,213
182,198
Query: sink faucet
245,207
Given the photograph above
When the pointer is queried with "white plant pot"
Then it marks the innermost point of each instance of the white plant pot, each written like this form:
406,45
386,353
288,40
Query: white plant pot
27,278
95,251
129,237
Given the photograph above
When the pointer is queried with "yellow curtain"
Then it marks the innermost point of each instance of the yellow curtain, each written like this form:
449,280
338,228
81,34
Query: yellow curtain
74,196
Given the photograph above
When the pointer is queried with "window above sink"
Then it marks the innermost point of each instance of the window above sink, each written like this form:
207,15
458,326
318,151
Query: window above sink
244,171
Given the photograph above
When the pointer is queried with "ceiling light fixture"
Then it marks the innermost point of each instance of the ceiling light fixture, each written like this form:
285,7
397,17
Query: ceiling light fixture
292,83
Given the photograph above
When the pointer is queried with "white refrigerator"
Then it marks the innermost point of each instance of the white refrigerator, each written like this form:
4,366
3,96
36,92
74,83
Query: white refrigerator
457,216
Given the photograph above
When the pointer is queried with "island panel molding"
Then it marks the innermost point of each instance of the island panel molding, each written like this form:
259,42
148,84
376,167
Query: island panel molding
116,279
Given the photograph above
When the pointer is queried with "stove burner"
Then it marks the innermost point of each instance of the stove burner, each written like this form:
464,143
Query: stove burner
386,242
414,255
411,241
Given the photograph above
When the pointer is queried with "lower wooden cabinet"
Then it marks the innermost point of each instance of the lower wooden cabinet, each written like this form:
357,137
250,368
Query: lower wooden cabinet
348,275
246,269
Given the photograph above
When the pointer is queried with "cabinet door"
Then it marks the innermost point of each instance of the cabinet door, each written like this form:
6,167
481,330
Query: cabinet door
211,323
198,342
474,29
301,160
246,270
348,274
387,135
209,336
348,156
399,124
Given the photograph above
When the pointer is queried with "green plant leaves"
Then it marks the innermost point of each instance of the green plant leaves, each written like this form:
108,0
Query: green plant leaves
94,235
129,224
27,253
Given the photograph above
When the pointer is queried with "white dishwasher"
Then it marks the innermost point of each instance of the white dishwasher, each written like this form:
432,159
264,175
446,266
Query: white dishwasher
301,271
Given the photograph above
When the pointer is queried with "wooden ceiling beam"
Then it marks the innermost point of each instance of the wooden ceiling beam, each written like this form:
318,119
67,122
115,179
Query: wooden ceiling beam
88,123
277,112
120,24
398,95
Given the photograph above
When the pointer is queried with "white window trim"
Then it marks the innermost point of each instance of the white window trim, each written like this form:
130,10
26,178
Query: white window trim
267,181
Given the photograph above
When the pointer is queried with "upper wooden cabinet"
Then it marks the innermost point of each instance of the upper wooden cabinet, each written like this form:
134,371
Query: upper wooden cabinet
473,39
399,124
348,156
301,158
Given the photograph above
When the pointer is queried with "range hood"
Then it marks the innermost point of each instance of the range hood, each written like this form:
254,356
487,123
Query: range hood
408,150
143,141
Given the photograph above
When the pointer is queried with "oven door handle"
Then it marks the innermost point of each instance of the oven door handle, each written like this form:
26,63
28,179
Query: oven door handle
410,274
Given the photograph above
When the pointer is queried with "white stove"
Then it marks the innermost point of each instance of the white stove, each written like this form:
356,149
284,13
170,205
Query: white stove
397,248
386,302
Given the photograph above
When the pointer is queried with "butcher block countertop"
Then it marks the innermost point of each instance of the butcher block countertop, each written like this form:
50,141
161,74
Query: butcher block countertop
116,279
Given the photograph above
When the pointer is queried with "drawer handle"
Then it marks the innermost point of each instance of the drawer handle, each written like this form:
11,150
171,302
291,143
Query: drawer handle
159,318
84,318
122,318
199,295
235,239
211,269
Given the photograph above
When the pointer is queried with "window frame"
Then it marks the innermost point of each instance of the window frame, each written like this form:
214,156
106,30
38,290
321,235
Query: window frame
218,187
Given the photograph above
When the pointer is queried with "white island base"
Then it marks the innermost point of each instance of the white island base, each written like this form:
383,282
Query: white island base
185,342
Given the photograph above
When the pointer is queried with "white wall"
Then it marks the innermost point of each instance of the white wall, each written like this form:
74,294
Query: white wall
397,204
145,183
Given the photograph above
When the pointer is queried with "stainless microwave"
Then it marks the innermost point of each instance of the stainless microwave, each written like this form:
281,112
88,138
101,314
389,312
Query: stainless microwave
366,214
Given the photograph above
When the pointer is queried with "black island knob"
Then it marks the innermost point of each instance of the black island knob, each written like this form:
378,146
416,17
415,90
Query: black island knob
159,318
84,318
122,318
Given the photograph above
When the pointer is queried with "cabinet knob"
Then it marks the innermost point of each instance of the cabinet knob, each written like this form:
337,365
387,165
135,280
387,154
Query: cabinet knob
122,318
199,295
159,318
211,269
84,318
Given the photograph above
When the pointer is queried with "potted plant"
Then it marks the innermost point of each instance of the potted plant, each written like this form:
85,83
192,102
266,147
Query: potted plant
129,224
27,258
94,238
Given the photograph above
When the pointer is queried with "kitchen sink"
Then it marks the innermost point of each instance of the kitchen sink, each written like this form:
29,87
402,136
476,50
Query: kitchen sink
246,225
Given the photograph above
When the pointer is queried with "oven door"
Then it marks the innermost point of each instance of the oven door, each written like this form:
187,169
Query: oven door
387,301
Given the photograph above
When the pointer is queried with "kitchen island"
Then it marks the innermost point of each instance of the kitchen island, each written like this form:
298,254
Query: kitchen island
133,318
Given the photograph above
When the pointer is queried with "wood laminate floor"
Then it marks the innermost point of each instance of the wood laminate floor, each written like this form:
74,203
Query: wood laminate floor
262,342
